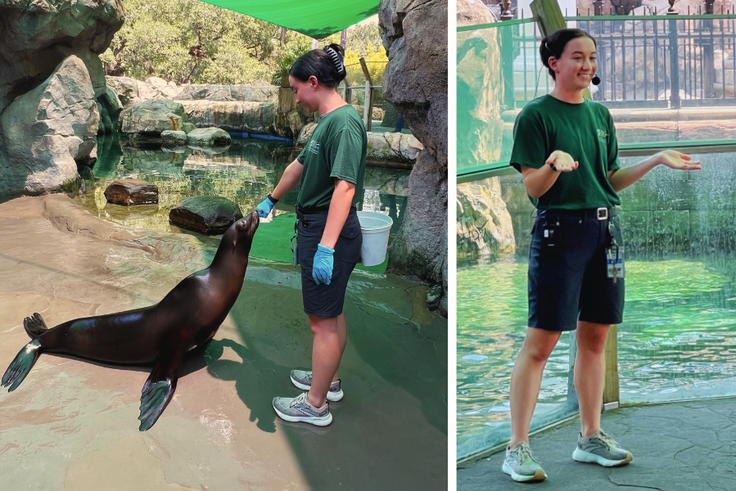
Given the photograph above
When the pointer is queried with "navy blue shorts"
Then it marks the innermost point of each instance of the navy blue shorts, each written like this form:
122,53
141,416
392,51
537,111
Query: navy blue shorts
569,282
327,300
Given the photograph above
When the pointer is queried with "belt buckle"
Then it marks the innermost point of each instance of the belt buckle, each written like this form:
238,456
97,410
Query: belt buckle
602,214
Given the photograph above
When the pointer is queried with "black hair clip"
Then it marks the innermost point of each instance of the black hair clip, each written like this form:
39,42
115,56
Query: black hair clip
335,59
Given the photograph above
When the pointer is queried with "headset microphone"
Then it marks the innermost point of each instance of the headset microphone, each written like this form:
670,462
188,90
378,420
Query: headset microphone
596,80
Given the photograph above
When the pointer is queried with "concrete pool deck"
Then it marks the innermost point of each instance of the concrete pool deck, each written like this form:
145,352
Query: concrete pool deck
681,446
72,424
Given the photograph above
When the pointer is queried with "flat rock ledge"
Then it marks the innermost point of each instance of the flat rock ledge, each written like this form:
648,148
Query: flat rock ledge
210,215
209,137
131,192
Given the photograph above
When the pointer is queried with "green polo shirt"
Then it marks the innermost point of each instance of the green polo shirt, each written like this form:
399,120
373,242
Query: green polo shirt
586,132
338,150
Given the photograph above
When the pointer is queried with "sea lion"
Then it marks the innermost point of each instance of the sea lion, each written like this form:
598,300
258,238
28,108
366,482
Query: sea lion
186,318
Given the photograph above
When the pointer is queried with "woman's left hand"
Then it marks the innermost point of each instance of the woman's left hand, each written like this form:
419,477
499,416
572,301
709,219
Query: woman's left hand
676,160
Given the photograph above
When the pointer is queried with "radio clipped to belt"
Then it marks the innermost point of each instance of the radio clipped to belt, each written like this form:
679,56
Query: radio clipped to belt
614,255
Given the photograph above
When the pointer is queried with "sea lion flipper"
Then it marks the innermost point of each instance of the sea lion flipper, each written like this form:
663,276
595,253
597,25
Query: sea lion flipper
159,389
35,325
21,365
153,402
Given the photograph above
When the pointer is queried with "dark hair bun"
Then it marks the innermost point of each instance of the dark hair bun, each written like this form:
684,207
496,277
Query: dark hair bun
337,55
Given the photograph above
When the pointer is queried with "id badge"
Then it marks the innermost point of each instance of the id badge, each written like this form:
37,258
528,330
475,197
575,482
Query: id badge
615,262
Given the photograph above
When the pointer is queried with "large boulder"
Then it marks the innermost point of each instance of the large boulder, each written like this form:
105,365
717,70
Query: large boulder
48,131
152,117
415,82
171,138
131,192
393,147
209,137
37,35
211,215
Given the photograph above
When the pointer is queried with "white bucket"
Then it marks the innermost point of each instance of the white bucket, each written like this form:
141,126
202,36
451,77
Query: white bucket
375,228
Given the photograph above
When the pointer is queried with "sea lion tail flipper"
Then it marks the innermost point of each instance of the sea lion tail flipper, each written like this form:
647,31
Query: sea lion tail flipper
35,325
21,365
158,390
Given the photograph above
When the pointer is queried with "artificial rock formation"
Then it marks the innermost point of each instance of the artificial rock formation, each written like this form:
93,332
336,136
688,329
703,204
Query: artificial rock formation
209,137
484,224
48,131
37,35
131,192
211,215
479,90
415,82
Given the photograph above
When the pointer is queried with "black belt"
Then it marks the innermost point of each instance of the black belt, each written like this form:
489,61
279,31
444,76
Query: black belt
600,214
301,213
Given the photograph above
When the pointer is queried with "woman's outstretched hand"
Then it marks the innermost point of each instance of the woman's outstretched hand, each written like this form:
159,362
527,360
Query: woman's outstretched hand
676,160
562,160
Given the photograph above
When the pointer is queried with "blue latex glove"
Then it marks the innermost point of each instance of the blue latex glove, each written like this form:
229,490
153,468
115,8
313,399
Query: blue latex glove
323,262
265,207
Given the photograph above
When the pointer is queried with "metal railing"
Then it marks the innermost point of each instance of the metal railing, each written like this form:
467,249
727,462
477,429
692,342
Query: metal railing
643,61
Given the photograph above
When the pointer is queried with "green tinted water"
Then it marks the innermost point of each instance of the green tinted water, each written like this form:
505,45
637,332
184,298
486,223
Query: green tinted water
679,334
678,338
244,173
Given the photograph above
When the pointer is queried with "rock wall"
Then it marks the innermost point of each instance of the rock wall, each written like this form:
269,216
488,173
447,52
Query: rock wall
36,38
131,91
415,82
48,131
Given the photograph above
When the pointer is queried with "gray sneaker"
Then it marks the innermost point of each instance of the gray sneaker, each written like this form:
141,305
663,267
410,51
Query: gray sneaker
302,379
521,465
601,449
299,410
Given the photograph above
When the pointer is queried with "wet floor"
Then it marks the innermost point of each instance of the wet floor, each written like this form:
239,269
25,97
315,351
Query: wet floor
77,420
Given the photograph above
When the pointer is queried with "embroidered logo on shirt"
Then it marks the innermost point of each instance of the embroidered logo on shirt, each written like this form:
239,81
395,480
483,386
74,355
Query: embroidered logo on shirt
314,147
602,135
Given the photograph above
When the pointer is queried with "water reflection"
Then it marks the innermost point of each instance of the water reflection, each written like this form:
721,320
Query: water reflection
244,173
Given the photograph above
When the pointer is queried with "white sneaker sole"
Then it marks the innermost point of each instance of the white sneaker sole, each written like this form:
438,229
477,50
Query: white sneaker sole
538,476
323,421
331,396
583,456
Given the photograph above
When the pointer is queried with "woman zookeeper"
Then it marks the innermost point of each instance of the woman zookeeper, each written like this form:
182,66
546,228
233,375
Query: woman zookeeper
566,149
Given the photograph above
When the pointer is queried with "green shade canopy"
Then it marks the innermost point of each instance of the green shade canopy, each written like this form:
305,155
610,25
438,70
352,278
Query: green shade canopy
315,18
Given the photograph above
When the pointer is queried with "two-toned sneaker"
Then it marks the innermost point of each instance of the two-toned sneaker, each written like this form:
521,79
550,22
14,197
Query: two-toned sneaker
302,379
521,465
299,410
601,449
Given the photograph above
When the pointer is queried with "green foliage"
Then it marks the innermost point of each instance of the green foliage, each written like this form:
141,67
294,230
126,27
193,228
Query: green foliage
190,41
296,45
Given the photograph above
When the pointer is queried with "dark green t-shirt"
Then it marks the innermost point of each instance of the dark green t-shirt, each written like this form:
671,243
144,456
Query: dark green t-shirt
586,132
337,149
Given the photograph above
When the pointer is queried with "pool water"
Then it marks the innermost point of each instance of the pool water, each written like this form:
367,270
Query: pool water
678,338
679,334
244,173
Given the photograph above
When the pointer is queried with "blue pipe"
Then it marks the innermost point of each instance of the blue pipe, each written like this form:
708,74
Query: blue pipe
246,134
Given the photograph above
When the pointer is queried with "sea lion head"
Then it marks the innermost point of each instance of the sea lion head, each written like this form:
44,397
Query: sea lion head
243,231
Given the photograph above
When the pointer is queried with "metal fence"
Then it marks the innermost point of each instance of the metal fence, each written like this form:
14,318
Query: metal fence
643,61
